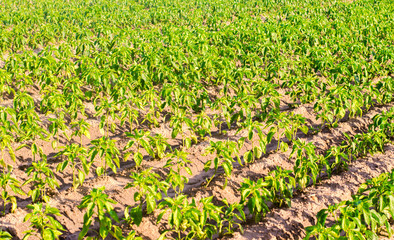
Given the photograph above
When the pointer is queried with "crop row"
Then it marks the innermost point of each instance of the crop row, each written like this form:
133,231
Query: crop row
205,219
366,216
21,125
24,123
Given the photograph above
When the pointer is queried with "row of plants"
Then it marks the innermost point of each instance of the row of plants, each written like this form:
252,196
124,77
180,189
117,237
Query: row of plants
184,76
370,212
367,215
191,220
42,177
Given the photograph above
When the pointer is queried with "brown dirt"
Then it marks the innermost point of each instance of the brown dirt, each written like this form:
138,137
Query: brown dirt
276,224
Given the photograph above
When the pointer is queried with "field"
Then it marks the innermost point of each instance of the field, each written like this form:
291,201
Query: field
175,119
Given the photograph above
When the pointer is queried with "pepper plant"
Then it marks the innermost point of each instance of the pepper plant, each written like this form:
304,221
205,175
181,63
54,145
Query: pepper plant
44,225
42,178
223,158
98,204
75,154
107,152
9,183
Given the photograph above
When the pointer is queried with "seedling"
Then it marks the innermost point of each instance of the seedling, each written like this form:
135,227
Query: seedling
107,152
8,184
97,203
45,226
42,178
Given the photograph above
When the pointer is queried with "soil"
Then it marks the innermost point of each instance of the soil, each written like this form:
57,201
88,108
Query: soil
281,223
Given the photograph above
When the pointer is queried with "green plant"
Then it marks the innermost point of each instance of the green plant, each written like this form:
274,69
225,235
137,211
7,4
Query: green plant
130,113
81,128
340,158
308,164
97,203
176,163
56,125
281,185
202,125
232,216
223,158
108,153
8,182
107,109
157,146
149,189
138,138
42,178
42,222
254,126
75,153
177,122
255,195
189,221
279,120
7,117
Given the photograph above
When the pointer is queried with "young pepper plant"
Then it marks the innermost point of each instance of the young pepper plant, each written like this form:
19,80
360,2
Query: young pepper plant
187,220
149,189
75,153
176,163
7,183
43,224
98,203
255,195
108,153
42,177
139,138
281,185
223,158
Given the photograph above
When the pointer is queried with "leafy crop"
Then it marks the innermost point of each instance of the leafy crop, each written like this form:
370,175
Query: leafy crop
42,178
44,224
224,152
98,204
9,183
149,189
107,152
366,215
73,154
186,217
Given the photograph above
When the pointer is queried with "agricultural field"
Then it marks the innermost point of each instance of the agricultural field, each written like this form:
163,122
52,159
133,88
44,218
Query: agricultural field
175,119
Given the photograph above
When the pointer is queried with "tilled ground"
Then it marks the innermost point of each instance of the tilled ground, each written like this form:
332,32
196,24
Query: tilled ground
281,223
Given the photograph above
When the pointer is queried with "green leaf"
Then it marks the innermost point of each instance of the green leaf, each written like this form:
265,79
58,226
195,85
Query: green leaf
103,231
284,147
150,203
163,235
100,171
136,215
81,177
227,168
48,234
270,135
